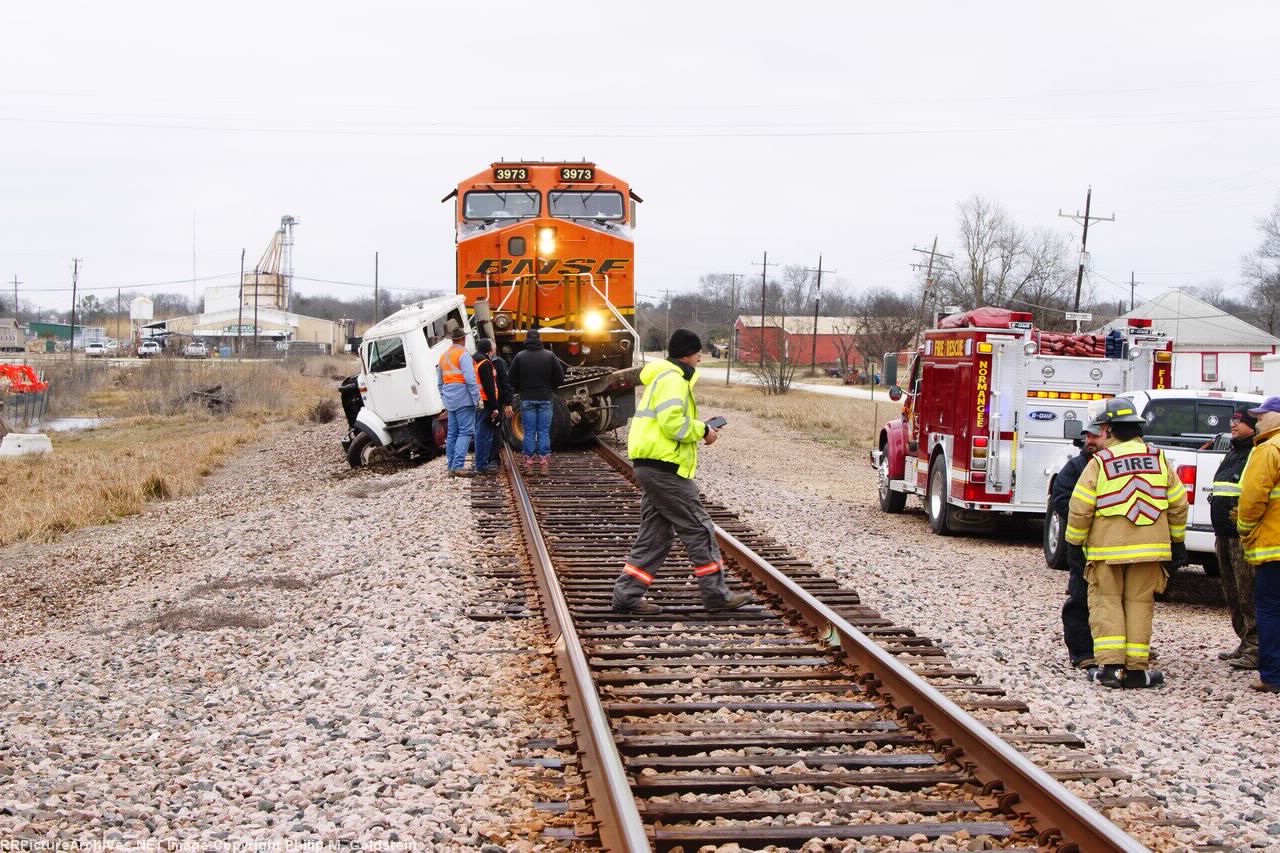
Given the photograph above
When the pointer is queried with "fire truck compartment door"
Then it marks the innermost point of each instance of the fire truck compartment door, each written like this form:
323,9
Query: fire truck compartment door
1007,378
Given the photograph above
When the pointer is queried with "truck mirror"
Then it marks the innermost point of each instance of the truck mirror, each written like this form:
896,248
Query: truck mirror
1072,429
889,375
895,393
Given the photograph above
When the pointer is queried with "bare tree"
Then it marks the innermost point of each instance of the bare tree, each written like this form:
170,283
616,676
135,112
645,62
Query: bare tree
888,324
798,285
1262,273
846,342
774,375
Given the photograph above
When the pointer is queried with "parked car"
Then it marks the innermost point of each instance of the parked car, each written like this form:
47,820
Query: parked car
195,349
112,345
148,348
95,349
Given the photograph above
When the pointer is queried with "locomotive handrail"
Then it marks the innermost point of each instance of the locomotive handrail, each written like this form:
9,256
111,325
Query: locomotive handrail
616,313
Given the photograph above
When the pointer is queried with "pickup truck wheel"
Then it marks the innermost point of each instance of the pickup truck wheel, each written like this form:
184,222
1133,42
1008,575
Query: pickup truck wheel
935,502
1055,541
890,501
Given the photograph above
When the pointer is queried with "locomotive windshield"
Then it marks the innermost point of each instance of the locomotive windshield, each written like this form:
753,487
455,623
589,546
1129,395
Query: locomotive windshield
507,204
574,204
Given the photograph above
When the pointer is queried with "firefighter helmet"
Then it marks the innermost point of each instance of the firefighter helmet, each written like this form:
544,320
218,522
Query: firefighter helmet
1119,410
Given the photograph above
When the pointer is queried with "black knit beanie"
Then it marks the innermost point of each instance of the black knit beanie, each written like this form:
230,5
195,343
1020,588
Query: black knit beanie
683,342
1243,414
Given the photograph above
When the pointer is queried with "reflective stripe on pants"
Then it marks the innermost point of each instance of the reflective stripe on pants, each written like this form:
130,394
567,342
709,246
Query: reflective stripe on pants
1121,603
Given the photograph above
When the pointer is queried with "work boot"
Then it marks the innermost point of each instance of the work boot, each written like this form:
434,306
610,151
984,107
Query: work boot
528,466
1264,687
1084,663
546,466
1111,675
1142,678
462,472
1247,660
640,608
1233,653
733,602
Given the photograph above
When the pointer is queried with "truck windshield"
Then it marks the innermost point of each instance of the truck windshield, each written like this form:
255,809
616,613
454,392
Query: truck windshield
507,204
573,204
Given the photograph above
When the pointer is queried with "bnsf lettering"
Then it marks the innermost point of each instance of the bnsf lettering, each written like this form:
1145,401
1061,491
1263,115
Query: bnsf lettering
550,266
1138,463
984,376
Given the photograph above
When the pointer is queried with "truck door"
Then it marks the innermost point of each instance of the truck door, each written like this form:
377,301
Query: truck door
1001,374
391,387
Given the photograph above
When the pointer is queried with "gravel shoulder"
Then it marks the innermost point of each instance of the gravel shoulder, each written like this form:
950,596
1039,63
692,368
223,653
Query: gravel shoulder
1204,744
285,656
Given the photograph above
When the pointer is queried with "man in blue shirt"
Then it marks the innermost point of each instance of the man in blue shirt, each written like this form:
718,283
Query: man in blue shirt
456,378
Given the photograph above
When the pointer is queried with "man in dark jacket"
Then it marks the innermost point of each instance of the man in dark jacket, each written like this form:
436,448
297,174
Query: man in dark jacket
535,375
487,418
1075,613
504,396
1235,572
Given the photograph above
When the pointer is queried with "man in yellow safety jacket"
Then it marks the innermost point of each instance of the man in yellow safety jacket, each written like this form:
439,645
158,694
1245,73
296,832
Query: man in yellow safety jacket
1258,520
1129,512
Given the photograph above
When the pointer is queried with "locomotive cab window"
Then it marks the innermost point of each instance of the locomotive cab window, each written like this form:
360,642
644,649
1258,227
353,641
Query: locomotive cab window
505,204
576,204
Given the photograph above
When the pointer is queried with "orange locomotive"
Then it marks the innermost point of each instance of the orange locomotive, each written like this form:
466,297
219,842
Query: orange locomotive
548,246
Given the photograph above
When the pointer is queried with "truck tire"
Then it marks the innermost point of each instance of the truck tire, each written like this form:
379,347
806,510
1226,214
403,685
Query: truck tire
1055,541
890,501
559,425
935,501
361,450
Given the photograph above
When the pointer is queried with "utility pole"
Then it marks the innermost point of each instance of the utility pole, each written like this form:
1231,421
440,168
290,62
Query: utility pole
733,321
375,287
668,292
240,311
1084,240
1133,289
75,278
817,298
16,314
764,290
256,275
928,284
118,317
195,306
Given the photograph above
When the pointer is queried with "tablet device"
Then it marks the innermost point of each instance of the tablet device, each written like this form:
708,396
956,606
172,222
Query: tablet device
717,422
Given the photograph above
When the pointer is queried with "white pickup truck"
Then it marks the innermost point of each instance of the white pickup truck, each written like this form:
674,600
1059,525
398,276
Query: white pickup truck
1189,427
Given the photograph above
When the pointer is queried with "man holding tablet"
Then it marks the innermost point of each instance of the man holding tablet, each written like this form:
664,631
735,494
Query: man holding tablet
663,446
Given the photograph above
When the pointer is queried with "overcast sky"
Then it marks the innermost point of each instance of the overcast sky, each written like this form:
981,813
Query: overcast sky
846,129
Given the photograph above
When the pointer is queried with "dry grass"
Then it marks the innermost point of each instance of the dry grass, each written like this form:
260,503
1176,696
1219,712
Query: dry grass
837,420
323,412
289,583
156,448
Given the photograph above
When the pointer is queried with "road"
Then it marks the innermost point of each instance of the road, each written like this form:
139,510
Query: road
743,377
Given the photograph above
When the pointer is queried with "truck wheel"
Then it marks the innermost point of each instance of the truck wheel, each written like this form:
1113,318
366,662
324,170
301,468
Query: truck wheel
559,425
1055,541
935,502
361,450
890,501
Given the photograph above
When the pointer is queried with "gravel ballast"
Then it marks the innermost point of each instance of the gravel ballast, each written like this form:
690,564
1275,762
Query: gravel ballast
1205,744
286,656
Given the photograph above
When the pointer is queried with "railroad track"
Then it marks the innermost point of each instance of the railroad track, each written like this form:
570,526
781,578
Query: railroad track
805,715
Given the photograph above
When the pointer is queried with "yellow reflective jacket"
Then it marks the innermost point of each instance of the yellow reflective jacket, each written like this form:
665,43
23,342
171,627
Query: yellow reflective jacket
1128,506
1258,513
666,426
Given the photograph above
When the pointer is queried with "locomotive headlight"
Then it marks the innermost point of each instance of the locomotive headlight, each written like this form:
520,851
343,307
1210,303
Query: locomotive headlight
593,321
546,241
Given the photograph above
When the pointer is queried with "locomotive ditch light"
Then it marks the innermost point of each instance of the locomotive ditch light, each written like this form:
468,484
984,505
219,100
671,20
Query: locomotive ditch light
593,321
546,241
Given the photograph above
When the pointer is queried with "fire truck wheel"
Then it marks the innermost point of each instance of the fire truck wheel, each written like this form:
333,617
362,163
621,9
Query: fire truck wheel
1055,541
890,501
935,502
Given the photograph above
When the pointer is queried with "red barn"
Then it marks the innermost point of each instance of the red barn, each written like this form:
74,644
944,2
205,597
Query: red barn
794,337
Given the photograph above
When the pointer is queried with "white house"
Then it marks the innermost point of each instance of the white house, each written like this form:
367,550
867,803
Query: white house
1211,348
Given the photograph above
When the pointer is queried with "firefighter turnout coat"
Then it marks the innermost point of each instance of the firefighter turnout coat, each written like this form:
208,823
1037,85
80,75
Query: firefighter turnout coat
1258,513
1128,506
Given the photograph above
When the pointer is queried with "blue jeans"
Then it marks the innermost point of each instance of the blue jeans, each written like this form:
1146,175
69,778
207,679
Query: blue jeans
1266,598
536,417
484,441
462,425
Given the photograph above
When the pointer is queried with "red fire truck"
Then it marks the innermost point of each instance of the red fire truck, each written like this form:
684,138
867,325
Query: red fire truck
992,406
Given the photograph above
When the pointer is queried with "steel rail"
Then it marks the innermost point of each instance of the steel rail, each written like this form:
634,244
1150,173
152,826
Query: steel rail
618,819
1059,816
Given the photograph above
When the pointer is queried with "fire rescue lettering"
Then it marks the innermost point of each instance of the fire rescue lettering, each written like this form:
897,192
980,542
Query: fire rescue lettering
949,347
1134,463
984,374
